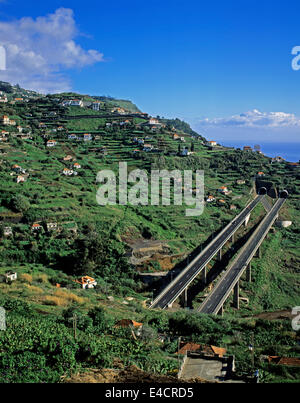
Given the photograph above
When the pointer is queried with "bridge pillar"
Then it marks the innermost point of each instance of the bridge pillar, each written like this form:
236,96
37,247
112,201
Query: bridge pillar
258,253
220,255
236,300
183,298
221,311
170,305
204,275
248,273
247,220
186,297
233,238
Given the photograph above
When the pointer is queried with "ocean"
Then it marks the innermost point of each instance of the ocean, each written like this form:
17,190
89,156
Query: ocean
289,151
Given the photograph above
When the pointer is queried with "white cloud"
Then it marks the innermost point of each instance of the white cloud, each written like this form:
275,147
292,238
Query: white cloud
254,119
39,50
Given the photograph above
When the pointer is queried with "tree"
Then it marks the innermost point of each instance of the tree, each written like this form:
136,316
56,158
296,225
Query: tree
100,320
19,203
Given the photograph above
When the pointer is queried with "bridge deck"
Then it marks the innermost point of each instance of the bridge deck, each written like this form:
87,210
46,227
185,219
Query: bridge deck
216,299
182,281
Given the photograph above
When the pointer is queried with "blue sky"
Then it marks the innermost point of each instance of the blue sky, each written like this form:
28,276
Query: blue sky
188,59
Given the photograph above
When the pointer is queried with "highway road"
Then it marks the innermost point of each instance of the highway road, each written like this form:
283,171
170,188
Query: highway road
220,293
179,284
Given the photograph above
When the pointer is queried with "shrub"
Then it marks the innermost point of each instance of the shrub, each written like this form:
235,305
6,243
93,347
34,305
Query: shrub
25,277
33,288
42,278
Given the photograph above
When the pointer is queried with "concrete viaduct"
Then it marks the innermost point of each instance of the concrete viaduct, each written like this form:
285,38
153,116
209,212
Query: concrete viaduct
199,265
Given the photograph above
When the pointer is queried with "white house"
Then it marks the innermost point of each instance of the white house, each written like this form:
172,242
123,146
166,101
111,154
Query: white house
68,172
36,227
153,121
20,178
11,276
51,143
5,120
7,231
76,102
210,199
147,147
223,189
51,226
96,106
87,137
278,159
87,282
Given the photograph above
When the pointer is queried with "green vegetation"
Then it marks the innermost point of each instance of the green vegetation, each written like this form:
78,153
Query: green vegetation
41,343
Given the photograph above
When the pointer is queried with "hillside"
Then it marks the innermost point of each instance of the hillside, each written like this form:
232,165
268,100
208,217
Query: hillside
53,231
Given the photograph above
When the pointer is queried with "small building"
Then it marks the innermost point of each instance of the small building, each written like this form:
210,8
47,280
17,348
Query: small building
21,178
87,137
278,159
68,158
118,110
290,361
36,227
87,282
68,172
240,182
72,137
260,174
208,350
76,165
129,323
125,123
223,189
96,106
51,143
154,121
16,168
147,147
212,143
210,199
51,226
11,276
76,102
5,120
247,148
7,231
